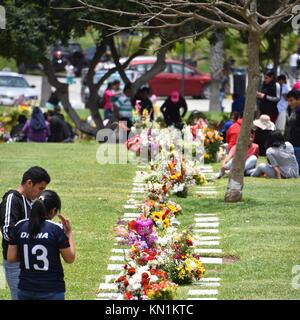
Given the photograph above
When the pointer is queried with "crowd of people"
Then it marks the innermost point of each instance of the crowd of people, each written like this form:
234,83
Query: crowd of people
275,134
49,126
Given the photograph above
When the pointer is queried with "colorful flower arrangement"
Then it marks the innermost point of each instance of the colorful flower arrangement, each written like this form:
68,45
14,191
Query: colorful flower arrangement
161,257
212,143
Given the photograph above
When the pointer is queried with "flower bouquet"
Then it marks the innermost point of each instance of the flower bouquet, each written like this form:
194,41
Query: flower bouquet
212,143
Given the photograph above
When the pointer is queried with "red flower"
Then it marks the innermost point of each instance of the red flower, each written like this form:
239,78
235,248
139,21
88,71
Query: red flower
131,271
128,295
126,283
145,275
189,242
141,262
131,225
121,279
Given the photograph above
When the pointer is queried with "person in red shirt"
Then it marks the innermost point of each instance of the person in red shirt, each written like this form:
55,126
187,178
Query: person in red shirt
233,133
251,159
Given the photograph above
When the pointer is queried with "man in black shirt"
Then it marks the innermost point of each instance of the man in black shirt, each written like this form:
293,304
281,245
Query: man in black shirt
293,130
16,206
171,110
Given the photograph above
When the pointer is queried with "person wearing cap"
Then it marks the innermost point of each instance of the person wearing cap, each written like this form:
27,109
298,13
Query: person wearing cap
171,109
282,162
269,96
264,126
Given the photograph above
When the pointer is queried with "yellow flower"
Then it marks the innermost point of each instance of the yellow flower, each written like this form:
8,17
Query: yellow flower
166,223
157,215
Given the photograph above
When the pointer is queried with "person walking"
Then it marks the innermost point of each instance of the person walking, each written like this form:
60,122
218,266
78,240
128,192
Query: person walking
16,206
37,243
269,96
70,72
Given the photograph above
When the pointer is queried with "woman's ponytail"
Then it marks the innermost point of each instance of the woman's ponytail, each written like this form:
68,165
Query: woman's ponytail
37,216
41,210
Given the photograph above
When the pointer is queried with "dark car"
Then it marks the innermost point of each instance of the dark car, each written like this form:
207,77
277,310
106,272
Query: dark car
73,53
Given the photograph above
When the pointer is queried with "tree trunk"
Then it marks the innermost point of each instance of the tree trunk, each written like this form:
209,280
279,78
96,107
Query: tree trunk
276,53
63,95
46,91
236,177
216,66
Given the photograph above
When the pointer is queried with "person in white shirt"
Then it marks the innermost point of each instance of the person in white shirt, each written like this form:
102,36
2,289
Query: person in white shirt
294,66
283,103
70,71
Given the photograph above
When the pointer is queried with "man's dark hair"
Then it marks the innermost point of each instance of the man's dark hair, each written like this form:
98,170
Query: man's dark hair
294,94
282,77
235,115
270,73
36,175
116,82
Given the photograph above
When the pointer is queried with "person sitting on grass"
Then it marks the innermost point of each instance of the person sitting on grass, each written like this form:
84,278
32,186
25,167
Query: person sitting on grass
233,132
234,116
38,243
251,159
264,126
281,158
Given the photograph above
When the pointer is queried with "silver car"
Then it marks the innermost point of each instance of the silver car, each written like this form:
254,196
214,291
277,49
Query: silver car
14,87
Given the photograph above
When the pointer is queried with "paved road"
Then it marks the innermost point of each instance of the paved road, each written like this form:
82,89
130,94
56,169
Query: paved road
193,104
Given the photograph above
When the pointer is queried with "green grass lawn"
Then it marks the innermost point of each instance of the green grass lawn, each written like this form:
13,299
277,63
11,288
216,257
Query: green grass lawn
262,233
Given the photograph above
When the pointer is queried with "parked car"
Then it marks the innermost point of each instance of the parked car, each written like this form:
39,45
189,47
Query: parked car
132,75
13,86
196,84
72,52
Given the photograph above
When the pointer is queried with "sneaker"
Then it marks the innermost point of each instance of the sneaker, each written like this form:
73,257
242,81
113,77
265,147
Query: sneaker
219,175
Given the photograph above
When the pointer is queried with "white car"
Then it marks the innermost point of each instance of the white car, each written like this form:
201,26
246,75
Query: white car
14,87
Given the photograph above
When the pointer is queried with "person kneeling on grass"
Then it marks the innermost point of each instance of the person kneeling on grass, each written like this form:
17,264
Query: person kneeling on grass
38,242
281,156
251,159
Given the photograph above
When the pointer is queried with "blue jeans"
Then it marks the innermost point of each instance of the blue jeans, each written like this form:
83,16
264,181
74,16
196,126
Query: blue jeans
249,164
30,295
264,169
12,272
107,113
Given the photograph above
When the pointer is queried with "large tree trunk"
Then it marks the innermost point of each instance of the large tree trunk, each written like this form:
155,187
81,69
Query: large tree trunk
63,95
216,66
236,177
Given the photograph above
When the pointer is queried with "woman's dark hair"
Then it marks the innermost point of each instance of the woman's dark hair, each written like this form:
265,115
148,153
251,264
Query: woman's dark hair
275,139
36,175
41,209
109,85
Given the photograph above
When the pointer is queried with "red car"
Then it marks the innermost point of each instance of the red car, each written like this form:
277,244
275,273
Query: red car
196,84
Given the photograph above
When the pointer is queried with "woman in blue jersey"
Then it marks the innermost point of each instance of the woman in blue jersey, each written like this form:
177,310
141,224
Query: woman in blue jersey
38,243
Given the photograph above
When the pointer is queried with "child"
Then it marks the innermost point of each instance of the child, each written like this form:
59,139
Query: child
38,243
